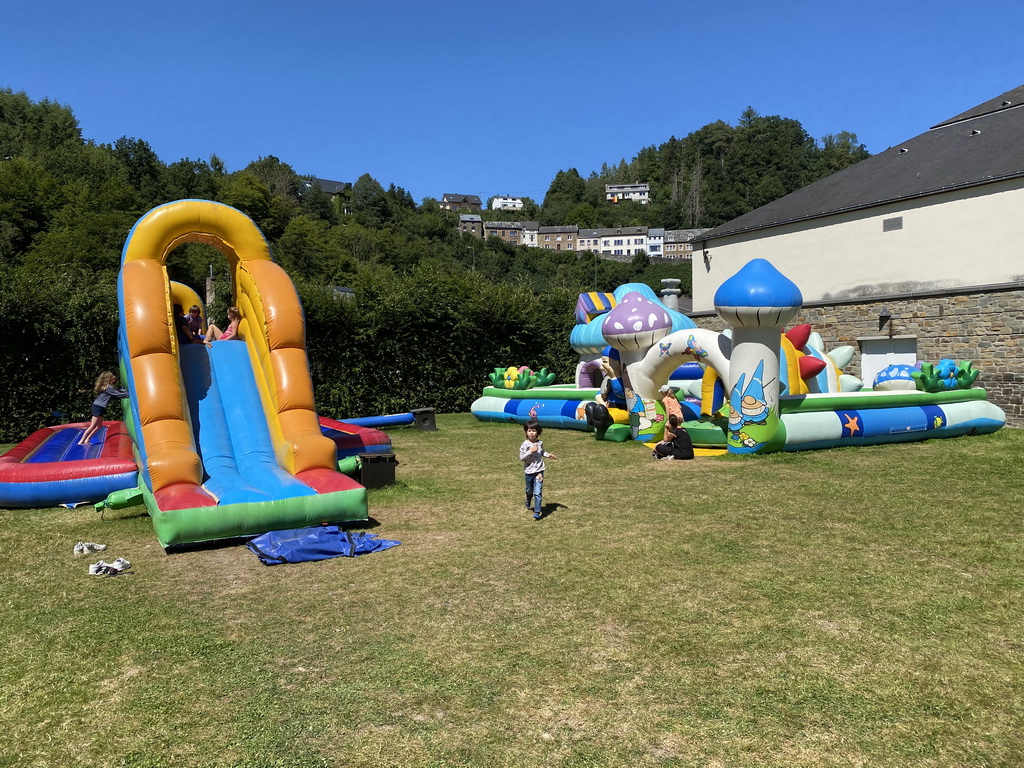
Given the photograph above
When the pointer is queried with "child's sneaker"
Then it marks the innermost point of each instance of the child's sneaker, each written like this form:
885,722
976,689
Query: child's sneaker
80,548
93,547
536,515
98,568
120,565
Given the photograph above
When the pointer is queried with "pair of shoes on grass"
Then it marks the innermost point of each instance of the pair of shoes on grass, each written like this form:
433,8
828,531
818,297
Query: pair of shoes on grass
88,547
101,568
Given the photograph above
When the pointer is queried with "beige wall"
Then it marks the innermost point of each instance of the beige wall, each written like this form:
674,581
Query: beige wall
965,238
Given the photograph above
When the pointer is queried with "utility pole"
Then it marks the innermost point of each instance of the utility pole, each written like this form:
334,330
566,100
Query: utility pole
210,293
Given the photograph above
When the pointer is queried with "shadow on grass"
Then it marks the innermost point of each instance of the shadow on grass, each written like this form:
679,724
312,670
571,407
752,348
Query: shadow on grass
549,509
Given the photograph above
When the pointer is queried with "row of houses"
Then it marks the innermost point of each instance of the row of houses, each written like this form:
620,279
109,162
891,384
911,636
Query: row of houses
624,242
639,192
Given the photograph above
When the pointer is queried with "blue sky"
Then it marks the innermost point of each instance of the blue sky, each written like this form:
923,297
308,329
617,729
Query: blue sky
496,98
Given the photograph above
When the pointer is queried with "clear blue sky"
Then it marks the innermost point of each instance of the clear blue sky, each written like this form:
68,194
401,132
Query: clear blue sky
495,98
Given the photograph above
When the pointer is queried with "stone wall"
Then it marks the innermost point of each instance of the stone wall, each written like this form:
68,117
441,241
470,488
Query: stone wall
985,328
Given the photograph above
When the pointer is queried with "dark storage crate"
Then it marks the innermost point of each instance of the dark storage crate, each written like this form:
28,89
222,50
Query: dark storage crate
377,469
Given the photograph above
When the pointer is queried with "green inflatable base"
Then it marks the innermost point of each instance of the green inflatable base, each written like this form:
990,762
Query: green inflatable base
705,434
190,526
616,433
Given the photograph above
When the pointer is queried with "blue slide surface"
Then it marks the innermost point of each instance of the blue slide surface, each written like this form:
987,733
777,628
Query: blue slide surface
231,435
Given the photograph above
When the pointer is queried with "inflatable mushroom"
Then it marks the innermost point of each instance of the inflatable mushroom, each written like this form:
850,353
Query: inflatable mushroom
634,326
757,301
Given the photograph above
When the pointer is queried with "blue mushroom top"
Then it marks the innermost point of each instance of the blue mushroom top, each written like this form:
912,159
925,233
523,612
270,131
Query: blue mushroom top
759,284
758,296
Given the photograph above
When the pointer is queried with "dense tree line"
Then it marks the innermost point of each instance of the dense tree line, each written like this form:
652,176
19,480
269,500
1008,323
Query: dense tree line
431,310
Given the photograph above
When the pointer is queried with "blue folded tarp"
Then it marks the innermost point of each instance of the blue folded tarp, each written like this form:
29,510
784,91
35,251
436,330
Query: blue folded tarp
319,543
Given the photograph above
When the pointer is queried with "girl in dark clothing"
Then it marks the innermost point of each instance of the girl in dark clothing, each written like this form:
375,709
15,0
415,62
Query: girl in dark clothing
676,443
104,390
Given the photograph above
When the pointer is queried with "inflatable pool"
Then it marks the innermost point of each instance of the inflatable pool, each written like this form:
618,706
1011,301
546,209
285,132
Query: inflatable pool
49,467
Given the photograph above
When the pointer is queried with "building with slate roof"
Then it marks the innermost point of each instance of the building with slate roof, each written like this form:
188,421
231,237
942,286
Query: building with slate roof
912,254
450,202
509,231
557,238
678,243
471,223
330,187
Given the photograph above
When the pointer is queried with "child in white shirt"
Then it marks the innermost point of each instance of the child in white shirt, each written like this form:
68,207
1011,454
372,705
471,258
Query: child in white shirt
532,454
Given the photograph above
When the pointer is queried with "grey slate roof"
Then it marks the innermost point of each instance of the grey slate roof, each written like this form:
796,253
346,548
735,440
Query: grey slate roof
328,186
470,199
683,235
979,146
624,231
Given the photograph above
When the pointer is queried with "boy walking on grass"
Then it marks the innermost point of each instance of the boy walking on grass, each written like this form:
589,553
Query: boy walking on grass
532,454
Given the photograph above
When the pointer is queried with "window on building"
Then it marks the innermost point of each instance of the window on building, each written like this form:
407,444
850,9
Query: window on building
617,242
547,238
617,251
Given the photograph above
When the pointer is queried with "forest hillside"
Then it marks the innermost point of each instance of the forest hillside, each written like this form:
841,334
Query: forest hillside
402,309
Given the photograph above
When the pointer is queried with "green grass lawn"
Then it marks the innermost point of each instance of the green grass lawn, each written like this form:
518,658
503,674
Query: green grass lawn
855,607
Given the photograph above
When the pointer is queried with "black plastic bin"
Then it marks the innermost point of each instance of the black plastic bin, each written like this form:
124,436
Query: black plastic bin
425,419
378,469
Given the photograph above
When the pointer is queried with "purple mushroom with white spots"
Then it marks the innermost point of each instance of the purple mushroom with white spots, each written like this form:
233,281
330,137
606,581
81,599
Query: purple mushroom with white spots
633,327
636,323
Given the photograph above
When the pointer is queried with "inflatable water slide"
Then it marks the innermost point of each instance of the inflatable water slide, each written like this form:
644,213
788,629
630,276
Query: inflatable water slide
226,438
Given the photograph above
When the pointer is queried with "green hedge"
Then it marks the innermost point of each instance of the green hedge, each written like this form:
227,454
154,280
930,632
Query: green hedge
425,339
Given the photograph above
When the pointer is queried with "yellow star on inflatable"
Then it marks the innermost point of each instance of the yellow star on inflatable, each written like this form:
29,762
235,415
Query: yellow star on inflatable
851,424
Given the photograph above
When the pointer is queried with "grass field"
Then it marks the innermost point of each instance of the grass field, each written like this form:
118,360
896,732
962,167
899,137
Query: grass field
856,607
